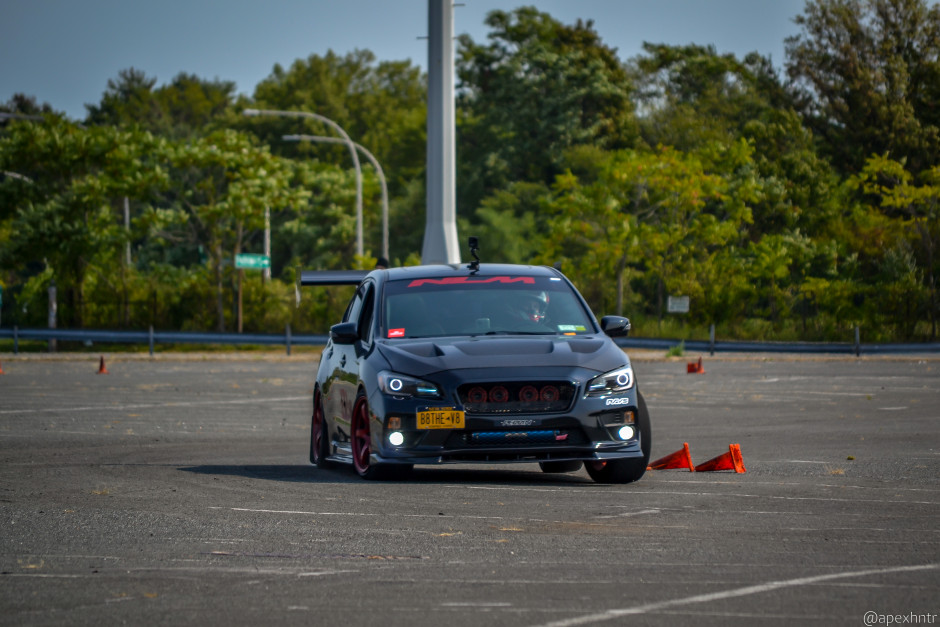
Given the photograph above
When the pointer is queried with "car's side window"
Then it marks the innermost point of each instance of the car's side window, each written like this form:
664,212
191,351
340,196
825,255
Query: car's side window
355,306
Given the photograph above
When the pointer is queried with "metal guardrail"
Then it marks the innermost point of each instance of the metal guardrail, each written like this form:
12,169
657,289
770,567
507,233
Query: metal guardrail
287,339
151,337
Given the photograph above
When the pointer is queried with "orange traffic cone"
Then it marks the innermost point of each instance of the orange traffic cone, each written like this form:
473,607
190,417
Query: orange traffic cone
695,368
1,368
101,367
731,460
680,459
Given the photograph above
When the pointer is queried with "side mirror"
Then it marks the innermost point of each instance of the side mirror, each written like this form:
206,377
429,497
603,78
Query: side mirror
344,333
615,326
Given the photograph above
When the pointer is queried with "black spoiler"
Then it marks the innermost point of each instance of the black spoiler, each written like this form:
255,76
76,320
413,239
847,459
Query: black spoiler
332,277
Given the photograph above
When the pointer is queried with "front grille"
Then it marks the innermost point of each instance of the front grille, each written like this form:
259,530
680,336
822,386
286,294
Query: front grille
516,439
521,397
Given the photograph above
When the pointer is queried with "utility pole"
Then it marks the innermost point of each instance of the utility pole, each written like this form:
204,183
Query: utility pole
266,272
440,227
127,231
53,310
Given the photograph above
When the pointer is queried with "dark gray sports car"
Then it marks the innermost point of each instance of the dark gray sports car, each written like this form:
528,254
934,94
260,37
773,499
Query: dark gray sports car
475,363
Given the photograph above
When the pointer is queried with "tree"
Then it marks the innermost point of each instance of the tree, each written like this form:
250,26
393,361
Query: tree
64,210
183,108
691,97
663,216
538,88
190,105
512,223
381,106
916,207
21,104
128,100
869,73
221,186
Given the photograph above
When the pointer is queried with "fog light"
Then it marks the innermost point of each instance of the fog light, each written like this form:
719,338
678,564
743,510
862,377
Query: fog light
625,433
395,438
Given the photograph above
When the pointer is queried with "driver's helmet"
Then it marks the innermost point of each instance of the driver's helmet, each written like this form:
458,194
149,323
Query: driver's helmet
534,306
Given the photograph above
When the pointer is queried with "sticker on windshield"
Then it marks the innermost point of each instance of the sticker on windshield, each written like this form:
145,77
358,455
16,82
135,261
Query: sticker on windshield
396,333
571,327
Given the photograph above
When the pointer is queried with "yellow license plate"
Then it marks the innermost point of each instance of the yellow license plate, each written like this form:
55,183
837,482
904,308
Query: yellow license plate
442,418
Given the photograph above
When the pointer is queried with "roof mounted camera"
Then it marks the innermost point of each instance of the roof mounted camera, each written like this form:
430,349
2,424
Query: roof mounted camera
474,247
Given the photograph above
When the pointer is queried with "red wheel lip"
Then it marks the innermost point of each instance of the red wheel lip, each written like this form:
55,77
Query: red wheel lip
361,437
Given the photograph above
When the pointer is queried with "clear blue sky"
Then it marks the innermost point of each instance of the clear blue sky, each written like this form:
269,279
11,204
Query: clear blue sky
64,51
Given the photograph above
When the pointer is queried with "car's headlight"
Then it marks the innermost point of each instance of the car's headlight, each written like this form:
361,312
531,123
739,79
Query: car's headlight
613,382
396,384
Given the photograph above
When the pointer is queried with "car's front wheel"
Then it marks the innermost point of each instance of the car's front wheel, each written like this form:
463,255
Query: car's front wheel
362,441
626,470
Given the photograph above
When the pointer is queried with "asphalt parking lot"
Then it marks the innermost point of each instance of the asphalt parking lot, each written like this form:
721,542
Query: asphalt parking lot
176,490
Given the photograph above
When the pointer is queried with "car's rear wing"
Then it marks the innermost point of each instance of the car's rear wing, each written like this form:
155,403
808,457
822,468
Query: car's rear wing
332,277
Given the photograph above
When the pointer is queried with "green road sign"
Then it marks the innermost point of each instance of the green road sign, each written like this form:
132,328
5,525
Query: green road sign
248,260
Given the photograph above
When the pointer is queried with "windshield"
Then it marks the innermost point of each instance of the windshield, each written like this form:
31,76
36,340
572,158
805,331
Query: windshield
470,305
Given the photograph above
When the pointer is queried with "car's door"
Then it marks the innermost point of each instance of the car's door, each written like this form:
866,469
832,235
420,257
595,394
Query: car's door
336,392
344,360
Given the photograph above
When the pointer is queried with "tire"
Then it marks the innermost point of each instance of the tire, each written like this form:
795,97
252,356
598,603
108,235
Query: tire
319,436
626,470
361,436
565,466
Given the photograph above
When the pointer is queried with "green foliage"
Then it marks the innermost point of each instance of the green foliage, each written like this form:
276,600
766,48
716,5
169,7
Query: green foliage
677,350
380,105
538,88
869,73
63,213
182,108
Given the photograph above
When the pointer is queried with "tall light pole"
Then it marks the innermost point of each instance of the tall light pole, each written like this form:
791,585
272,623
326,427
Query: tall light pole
378,171
440,227
352,150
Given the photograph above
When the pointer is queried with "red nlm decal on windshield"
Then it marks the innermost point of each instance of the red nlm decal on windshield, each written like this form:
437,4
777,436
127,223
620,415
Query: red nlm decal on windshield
469,280
396,333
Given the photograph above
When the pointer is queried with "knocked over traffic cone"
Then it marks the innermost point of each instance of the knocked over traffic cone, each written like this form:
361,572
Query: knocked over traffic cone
731,460
695,368
679,459
101,367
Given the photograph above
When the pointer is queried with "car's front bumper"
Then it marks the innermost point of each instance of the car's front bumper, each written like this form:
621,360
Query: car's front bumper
589,431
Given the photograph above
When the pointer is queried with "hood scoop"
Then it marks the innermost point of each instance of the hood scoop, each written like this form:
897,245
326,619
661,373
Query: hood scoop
506,347
423,349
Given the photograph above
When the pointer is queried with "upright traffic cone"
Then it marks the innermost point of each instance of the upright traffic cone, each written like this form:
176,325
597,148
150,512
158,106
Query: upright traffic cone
731,460
695,368
680,459
101,367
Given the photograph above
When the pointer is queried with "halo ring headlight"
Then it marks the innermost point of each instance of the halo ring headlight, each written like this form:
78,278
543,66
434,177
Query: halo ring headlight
614,382
401,385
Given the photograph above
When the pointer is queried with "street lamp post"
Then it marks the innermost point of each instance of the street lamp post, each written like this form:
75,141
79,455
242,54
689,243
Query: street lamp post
378,171
352,150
